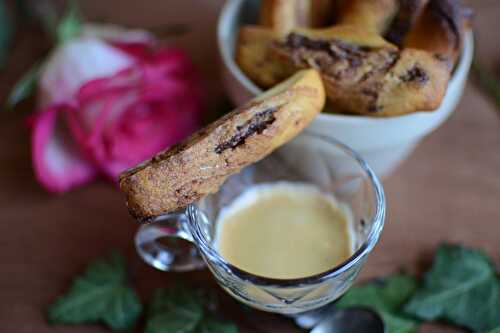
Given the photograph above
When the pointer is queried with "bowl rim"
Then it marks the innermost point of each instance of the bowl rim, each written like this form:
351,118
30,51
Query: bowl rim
459,74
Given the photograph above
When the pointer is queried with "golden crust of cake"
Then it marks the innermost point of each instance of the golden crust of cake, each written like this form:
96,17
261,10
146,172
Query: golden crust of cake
373,78
282,16
255,59
198,166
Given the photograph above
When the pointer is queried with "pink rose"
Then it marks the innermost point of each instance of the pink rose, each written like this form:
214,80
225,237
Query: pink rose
108,104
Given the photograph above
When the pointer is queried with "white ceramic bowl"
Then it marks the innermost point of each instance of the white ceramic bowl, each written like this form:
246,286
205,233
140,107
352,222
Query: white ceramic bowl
383,142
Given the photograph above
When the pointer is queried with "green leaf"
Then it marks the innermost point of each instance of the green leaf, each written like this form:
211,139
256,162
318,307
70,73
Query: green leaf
100,294
70,24
176,310
495,330
397,290
398,323
24,87
461,287
214,325
6,32
170,322
385,297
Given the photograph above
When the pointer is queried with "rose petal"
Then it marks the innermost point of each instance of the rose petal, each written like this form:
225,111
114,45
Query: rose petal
116,34
139,51
127,117
75,62
57,162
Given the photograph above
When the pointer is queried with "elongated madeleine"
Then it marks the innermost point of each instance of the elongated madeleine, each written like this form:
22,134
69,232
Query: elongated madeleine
364,74
198,166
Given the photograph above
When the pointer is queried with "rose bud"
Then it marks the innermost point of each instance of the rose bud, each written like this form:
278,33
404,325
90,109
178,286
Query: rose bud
109,99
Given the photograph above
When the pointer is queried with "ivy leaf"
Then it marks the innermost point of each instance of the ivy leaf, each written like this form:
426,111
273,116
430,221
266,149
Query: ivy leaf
461,287
176,310
214,325
100,294
70,24
24,87
495,330
397,290
386,298
170,322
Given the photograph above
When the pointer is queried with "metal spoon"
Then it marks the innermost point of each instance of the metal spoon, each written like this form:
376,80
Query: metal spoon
351,320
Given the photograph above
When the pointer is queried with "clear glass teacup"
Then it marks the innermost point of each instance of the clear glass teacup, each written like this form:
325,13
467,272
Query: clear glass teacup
310,158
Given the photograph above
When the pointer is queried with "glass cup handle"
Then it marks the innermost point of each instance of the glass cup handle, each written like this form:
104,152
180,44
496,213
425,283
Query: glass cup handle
169,254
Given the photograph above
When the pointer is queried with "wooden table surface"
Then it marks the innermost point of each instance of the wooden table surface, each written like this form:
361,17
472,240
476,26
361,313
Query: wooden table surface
448,190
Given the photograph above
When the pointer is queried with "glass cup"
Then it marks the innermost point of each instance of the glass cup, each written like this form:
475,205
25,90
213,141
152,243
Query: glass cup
310,158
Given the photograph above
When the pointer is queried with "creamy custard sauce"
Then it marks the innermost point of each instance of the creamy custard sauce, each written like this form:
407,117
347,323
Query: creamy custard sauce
285,230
